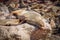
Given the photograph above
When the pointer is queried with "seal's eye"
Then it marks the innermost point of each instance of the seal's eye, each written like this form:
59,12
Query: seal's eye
5,0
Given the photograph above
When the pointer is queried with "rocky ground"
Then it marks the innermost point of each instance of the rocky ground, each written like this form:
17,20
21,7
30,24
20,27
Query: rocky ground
30,20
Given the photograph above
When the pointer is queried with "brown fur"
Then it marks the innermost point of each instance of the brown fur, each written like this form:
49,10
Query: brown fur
39,34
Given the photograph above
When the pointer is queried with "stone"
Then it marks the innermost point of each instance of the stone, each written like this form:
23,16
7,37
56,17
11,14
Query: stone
22,32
